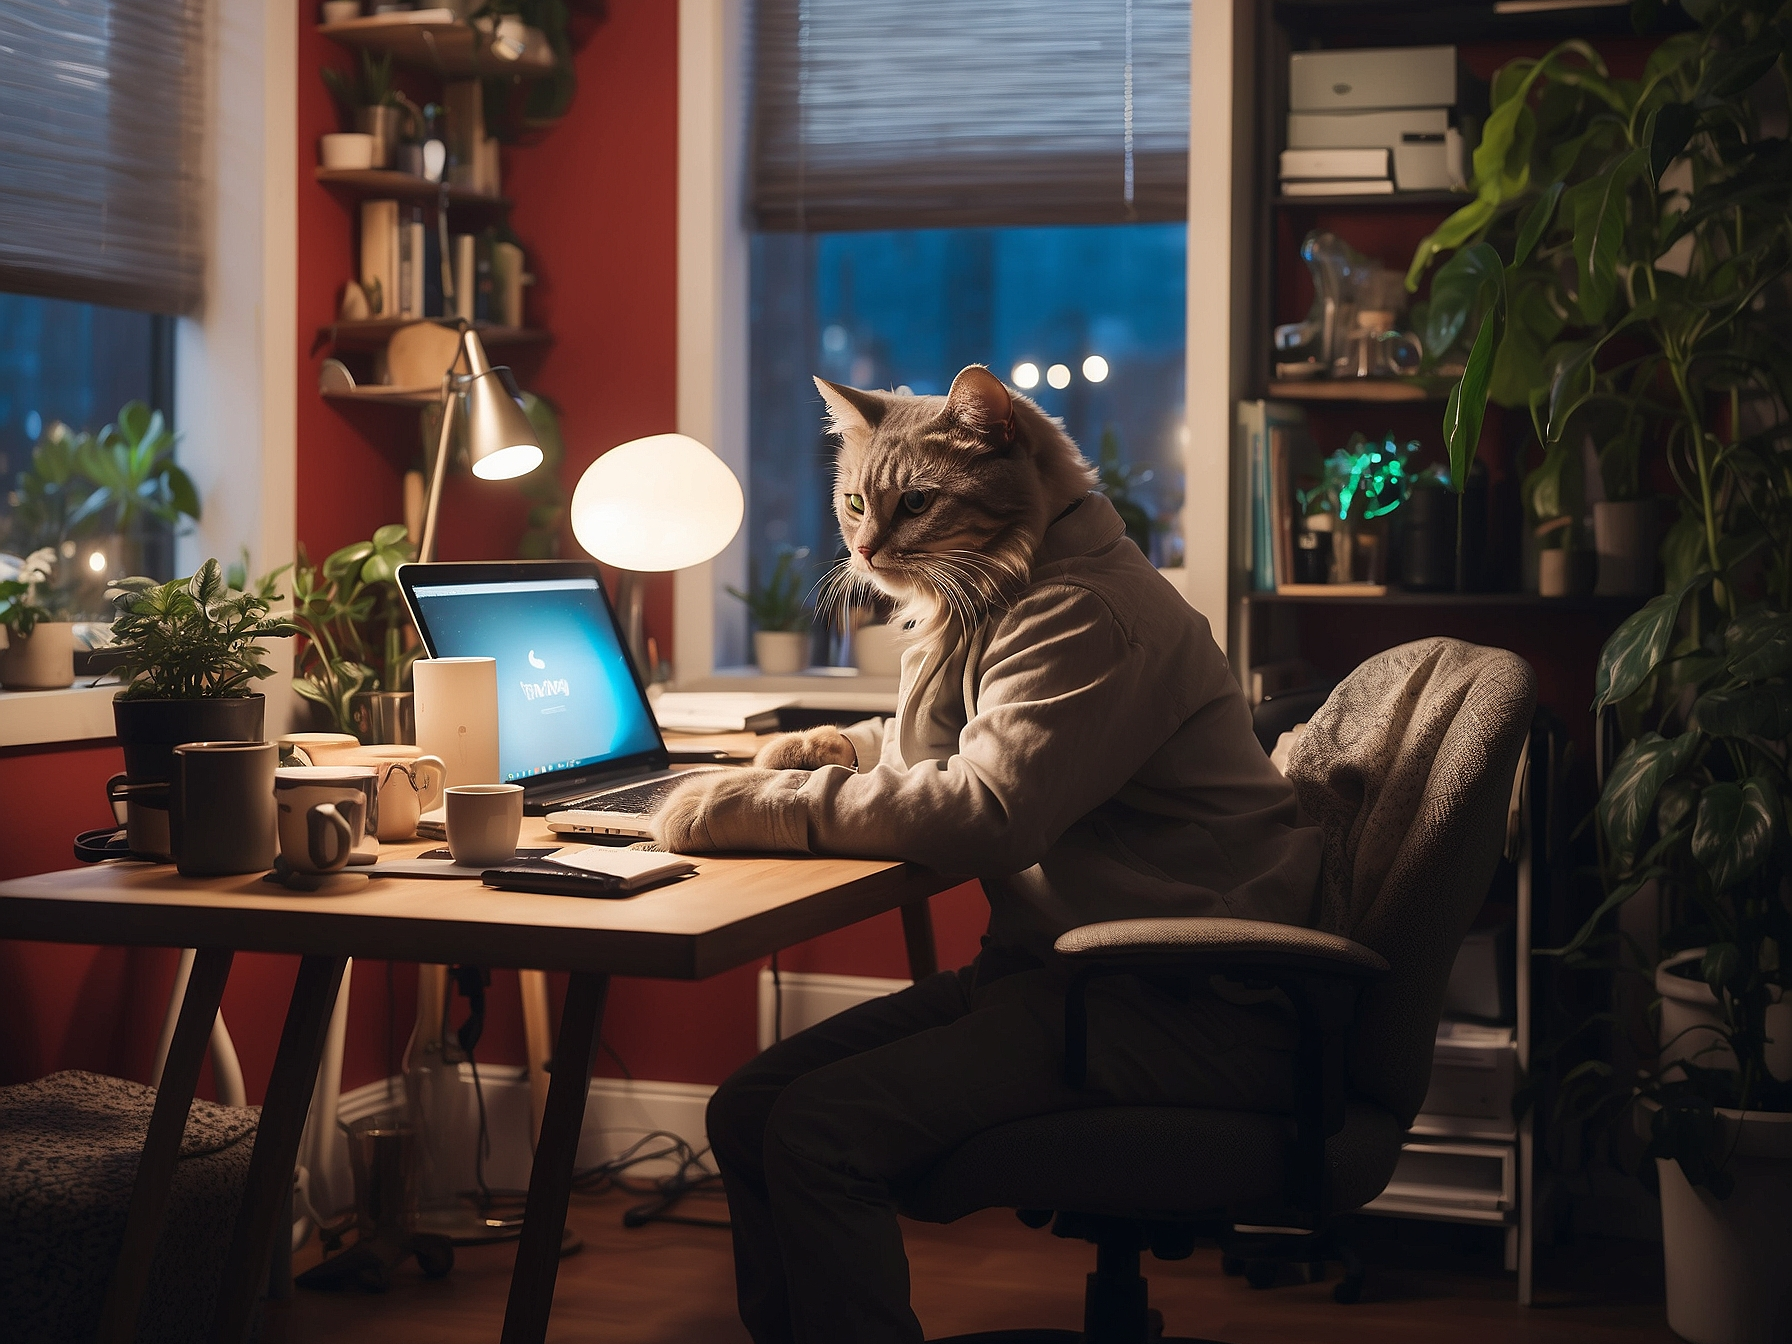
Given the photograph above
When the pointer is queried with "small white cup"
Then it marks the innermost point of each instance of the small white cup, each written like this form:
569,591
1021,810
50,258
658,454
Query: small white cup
484,821
409,783
346,149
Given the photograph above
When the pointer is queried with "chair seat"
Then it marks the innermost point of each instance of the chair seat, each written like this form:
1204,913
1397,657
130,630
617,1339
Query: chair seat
1150,1162
69,1148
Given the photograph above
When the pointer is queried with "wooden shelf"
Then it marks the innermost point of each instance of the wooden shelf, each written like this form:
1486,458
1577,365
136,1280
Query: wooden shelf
1530,601
1360,389
435,40
388,182
373,333
387,396
1429,200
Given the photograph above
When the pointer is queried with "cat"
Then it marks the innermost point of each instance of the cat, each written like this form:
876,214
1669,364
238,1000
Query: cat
942,502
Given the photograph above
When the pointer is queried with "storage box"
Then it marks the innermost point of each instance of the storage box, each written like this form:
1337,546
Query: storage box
1481,981
1329,81
1462,1182
1474,1071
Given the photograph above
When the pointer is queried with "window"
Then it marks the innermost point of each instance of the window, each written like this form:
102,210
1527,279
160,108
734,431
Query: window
917,206
76,364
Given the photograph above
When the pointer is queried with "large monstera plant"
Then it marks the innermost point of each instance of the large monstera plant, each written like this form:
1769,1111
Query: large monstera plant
1622,273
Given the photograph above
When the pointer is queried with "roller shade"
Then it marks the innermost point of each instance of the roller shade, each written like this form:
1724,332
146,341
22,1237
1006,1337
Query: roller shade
101,104
938,113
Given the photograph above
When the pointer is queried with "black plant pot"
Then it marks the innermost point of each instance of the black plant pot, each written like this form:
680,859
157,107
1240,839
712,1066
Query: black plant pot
150,730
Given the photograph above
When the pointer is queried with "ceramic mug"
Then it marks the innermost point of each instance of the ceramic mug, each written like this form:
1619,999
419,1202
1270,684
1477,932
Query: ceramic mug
315,748
408,782
322,814
144,808
221,808
484,821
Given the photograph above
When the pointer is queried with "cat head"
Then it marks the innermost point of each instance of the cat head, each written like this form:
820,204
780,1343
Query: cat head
943,501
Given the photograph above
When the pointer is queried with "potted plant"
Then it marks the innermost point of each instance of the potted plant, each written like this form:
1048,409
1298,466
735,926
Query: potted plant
371,104
1644,231
40,649
187,652
779,614
355,663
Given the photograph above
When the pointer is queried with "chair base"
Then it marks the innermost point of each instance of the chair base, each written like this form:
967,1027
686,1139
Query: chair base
1258,1255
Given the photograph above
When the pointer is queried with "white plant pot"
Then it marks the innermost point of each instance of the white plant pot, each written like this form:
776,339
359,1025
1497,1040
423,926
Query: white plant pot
780,653
1726,1258
1624,538
44,660
877,650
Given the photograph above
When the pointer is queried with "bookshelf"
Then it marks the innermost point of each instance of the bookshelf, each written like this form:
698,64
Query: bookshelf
437,41
370,183
1359,389
371,334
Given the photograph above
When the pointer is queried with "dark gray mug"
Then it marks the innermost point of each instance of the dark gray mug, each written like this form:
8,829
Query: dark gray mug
221,817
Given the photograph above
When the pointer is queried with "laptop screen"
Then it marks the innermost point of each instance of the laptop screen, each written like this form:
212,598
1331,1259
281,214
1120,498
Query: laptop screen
567,697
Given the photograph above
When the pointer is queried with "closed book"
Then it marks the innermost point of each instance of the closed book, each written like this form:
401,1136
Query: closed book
434,298
1354,186
464,278
379,257
416,276
1322,164
406,274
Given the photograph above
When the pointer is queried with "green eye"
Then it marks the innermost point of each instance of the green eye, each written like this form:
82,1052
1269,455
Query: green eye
855,503
914,500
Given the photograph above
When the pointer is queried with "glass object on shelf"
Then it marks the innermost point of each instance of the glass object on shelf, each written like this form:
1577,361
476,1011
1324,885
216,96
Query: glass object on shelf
1087,320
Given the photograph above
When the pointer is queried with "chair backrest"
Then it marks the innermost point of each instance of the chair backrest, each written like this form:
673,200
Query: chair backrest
1408,770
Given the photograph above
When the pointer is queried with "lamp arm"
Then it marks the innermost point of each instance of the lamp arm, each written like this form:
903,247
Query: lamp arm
426,546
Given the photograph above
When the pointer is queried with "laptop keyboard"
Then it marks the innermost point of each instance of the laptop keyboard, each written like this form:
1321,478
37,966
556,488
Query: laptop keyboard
641,800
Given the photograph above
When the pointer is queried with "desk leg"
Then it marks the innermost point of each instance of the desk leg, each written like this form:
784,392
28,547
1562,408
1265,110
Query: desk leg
276,1146
550,1180
917,935
155,1170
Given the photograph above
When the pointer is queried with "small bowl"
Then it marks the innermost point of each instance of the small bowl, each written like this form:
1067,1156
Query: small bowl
346,149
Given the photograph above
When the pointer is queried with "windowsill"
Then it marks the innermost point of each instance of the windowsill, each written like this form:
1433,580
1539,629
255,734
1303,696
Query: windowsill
38,718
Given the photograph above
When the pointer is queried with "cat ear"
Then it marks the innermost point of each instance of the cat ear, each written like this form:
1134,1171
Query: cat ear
980,403
850,407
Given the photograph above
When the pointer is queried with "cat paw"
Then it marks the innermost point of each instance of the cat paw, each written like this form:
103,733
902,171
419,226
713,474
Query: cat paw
695,818
810,750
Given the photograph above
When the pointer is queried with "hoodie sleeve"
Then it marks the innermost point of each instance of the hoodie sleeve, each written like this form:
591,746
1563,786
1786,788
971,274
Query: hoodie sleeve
1068,709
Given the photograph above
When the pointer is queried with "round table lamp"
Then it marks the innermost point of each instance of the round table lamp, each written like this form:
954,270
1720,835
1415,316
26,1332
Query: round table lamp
659,503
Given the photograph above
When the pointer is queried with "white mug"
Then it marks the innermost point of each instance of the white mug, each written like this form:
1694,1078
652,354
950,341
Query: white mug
322,814
484,821
409,784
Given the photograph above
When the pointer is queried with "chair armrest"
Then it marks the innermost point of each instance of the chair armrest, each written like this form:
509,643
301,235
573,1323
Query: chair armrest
1219,945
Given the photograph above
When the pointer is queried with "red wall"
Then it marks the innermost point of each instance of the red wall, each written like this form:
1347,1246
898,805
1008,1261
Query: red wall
596,210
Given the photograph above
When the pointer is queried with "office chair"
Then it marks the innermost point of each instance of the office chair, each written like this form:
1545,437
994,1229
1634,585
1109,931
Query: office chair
1408,770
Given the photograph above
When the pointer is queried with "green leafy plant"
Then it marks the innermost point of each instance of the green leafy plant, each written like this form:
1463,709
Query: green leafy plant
20,610
370,86
778,603
192,638
353,619
1118,481
135,477
1652,219
516,106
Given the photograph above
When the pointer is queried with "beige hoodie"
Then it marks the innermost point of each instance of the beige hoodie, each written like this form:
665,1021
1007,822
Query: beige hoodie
1086,753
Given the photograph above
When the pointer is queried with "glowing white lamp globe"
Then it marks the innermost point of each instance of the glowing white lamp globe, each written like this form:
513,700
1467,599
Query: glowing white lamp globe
659,503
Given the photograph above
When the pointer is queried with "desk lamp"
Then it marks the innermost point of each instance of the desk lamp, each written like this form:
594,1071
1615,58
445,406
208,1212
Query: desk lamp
650,505
500,440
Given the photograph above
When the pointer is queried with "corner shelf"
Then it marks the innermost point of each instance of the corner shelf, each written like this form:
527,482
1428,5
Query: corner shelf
389,182
1430,200
371,334
1360,389
435,39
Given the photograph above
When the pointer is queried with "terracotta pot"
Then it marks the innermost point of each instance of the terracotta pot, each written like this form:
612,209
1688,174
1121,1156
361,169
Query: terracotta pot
780,653
44,660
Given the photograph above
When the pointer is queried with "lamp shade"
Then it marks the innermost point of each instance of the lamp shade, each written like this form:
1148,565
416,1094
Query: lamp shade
500,440
663,502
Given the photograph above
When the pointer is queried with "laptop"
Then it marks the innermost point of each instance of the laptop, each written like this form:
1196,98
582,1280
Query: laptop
574,725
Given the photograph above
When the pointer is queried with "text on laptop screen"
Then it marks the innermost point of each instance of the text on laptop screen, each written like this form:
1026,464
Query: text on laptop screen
566,696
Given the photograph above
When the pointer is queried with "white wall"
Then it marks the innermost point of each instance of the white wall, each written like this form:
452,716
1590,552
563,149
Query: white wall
235,384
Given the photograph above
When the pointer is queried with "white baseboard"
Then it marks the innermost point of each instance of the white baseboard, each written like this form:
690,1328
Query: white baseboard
808,998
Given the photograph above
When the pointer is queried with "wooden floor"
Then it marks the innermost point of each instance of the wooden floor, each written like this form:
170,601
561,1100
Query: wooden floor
674,1285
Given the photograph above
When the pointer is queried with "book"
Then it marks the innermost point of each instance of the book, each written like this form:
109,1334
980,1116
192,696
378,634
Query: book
1343,187
719,711
465,282
1334,163
379,257
1282,503
1269,502
411,264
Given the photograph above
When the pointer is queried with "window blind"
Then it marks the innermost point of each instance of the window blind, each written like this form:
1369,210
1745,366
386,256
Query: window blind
101,103
938,113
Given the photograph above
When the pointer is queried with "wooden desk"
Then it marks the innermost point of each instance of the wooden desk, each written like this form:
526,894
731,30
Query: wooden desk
731,912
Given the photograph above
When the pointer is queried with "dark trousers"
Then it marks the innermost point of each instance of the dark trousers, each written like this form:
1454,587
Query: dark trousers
817,1137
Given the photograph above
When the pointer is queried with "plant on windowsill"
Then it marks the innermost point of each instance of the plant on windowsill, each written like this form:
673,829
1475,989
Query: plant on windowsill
1649,226
188,654
779,614
355,663
40,642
